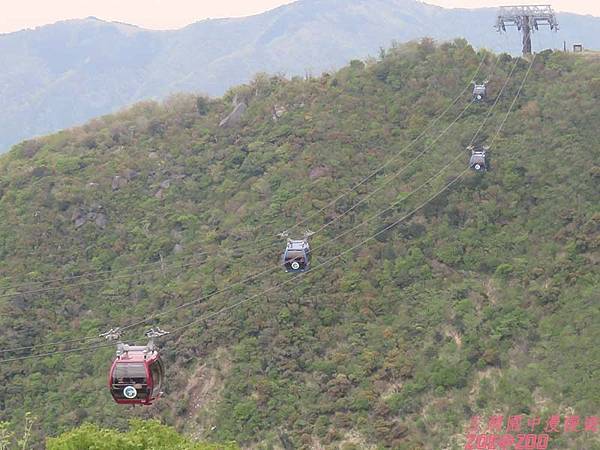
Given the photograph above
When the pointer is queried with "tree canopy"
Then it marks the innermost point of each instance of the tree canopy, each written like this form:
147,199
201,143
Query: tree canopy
484,301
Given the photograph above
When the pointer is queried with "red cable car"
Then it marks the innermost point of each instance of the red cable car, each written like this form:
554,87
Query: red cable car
137,373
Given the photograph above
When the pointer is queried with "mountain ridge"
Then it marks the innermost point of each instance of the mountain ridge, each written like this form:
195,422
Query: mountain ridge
64,74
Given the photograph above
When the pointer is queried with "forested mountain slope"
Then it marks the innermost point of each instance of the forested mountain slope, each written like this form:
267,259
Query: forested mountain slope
483,301
63,74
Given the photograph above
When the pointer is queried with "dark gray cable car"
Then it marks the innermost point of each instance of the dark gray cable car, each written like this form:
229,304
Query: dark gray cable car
296,257
479,160
480,92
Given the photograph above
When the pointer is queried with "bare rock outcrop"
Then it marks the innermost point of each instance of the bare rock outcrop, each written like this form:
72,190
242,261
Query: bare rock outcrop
79,218
93,214
319,172
118,182
235,116
101,220
278,112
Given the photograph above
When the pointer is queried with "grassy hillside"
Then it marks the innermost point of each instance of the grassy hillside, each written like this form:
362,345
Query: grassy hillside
485,301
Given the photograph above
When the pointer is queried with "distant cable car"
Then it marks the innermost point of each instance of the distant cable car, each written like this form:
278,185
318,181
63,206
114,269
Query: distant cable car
296,257
137,374
480,91
479,160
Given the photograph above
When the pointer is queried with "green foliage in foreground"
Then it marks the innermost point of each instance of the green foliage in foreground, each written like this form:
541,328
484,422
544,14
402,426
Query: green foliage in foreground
483,302
142,435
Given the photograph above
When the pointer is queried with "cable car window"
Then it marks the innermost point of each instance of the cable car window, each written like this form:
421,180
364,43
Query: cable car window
129,373
294,255
156,371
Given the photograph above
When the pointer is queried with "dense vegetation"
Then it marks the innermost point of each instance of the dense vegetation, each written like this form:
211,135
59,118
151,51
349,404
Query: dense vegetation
148,434
484,301
142,435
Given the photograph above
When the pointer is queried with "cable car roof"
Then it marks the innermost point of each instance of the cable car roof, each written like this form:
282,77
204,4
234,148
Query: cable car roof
297,244
135,353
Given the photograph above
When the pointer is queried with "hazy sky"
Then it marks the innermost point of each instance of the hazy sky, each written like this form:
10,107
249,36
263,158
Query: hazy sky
166,14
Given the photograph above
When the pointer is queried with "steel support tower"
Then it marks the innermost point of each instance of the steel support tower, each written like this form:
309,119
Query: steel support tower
526,18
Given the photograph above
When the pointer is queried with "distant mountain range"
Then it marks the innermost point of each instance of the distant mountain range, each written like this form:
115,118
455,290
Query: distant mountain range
63,74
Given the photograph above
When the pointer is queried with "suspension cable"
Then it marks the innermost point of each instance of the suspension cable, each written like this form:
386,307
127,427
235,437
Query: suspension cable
360,183
360,244
321,265
269,270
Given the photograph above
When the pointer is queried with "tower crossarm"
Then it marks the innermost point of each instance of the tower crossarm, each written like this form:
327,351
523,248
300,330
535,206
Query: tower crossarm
526,15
